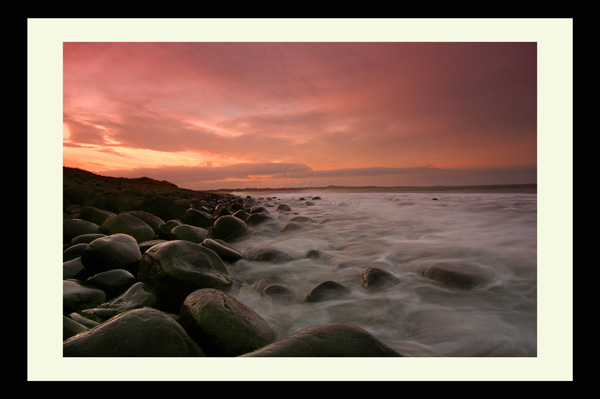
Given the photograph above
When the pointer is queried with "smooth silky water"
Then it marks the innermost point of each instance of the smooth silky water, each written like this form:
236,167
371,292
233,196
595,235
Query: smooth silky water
404,233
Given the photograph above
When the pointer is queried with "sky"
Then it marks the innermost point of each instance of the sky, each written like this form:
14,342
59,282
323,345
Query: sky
211,115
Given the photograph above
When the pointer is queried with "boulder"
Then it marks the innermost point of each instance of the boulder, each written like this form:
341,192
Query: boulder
71,327
116,251
77,296
73,251
375,278
95,215
127,224
142,332
278,293
74,269
302,219
151,220
113,282
327,340
229,227
198,218
327,290
221,248
241,214
164,230
190,233
270,255
163,207
258,218
76,227
86,238
283,208
144,246
222,325
459,275
177,268
139,295
291,226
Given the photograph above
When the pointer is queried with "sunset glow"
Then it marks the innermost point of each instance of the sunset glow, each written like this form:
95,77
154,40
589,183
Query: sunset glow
233,115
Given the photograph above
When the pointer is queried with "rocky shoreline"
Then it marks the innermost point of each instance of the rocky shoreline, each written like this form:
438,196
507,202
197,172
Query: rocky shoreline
147,272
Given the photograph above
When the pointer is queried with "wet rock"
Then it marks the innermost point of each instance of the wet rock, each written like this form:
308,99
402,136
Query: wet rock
86,238
117,251
95,215
74,269
459,275
142,332
164,230
258,218
229,227
375,278
222,325
221,248
73,251
163,207
198,218
283,208
112,282
151,220
177,268
85,321
259,209
291,226
190,233
327,290
144,246
241,214
139,295
127,224
76,227
278,293
77,296
319,255
270,255
71,327
302,219
327,340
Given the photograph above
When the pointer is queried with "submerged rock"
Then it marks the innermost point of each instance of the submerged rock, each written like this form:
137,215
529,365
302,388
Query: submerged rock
222,325
374,278
327,290
455,275
142,332
327,340
270,255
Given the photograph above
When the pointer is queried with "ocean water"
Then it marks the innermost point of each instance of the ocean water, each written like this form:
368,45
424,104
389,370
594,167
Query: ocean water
404,233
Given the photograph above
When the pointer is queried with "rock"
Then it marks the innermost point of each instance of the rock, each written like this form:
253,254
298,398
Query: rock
327,290
85,321
378,279
302,219
316,198
221,248
95,215
258,218
259,209
116,251
197,218
166,228
320,255
151,220
270,255
283,208
144,246
260,285
190,233
113,282
327,340
74,269
434,199
73,251
127,224
457,275
77,296
71,327
278,293
86,238
142,332
291,226
163,207
222,325
241,214
76,227
229,227
177,268
139,295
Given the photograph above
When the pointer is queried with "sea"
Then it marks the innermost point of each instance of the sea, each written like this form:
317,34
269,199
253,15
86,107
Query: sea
404,233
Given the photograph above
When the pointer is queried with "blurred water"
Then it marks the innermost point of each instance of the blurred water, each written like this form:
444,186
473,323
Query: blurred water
404,233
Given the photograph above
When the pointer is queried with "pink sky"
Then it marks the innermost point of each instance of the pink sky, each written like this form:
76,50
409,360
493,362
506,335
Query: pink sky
234,115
